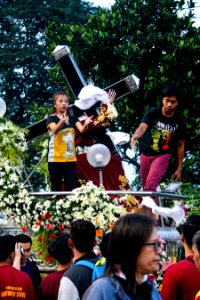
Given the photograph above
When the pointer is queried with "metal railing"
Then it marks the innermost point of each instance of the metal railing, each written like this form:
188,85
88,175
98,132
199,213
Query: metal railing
117,193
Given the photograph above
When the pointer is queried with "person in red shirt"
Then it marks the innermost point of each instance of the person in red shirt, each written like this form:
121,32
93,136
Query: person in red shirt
60,251
14,284
182,280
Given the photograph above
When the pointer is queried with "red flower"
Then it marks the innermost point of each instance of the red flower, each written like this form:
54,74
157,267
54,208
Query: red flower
61,226
24,229
41,239
52,236
48,215
48,225
49,258
40,252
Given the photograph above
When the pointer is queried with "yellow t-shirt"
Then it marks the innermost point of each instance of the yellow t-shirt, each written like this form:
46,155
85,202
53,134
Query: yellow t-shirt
61,143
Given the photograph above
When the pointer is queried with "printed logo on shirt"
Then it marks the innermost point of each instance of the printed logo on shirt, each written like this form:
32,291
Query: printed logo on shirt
161,136
13,291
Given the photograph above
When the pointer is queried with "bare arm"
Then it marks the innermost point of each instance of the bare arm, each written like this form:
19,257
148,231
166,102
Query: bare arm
55,127
138,134
180,156
83,128
17,260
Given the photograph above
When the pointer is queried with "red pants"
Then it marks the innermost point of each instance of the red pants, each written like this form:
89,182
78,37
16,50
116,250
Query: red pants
152,169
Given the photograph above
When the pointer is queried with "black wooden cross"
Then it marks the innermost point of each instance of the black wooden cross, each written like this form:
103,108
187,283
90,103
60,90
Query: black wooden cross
76,82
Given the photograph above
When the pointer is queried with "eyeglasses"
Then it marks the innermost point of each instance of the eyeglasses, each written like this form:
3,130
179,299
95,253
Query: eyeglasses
156,245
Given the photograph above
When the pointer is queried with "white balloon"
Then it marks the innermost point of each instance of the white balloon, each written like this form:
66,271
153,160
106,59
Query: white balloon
2,107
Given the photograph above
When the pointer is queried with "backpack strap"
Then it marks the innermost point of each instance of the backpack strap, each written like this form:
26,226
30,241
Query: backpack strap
98,268
85,263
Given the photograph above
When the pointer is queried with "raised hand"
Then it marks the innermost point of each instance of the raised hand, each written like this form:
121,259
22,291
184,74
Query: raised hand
88,120
111,96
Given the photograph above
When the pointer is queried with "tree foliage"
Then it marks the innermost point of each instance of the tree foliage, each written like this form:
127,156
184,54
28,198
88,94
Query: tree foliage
24,62
151,40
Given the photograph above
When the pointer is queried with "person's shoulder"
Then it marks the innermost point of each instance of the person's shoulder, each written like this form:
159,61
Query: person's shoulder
23,275
52,116
100,288
179,116
53,276
78,268
46,281
180,265
33,264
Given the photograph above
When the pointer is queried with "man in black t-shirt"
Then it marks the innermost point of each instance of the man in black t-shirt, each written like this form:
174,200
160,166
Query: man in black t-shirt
163,131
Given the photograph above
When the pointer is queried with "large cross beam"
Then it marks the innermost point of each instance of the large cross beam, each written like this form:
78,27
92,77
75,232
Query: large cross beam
76,82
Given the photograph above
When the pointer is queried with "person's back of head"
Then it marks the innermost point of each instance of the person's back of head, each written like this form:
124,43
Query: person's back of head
104,244
190,227
7,247
171,90
128,237
82,234
23,238
59,249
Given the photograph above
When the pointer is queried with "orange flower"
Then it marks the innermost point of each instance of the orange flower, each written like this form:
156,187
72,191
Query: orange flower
99,232
37,223
43,216
111,224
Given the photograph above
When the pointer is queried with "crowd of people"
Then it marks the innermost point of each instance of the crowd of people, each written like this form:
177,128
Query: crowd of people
132,251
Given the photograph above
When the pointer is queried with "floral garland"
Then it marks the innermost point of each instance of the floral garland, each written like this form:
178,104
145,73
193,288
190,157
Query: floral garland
14,198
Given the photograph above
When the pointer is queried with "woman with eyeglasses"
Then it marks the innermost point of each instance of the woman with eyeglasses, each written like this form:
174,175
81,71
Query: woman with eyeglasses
134,252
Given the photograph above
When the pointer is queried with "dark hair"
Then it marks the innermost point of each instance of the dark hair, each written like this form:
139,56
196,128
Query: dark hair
127,239
55,98
104,244
23,238
190,227
171,91
60,250
7,246
82,233
196,240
